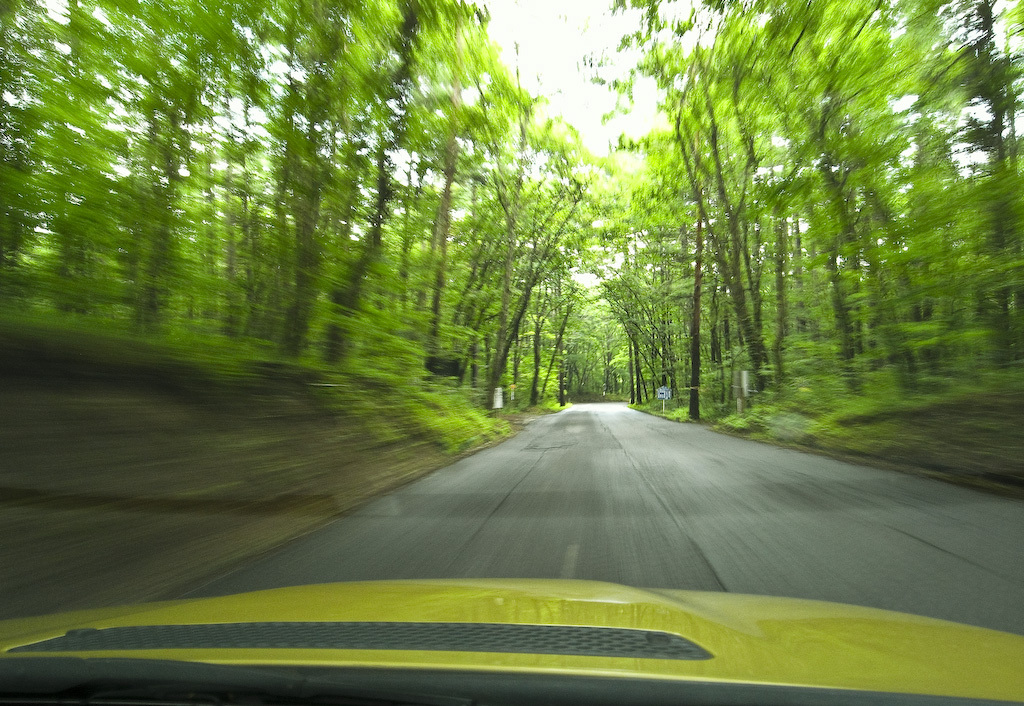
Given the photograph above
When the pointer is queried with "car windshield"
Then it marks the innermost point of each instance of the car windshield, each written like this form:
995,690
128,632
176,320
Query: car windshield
721,296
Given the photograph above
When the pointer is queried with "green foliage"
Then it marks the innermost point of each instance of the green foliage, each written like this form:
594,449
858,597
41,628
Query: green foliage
211,370
364,190
672,410
966,427
852,171
232,175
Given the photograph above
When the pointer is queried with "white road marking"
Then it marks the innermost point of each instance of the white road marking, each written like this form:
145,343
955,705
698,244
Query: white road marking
572,553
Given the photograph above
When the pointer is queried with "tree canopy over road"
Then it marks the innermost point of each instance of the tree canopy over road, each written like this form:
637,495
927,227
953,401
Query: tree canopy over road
832,202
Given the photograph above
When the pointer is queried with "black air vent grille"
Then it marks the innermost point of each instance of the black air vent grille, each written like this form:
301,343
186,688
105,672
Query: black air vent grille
446,637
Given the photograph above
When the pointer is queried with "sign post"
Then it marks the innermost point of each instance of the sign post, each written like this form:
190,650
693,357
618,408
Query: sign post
741,388
499,401
664,393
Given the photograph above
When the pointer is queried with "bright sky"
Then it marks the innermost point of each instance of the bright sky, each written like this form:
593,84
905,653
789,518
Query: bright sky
554,36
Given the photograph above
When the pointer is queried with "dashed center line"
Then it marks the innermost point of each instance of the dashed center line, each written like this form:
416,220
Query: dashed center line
572,554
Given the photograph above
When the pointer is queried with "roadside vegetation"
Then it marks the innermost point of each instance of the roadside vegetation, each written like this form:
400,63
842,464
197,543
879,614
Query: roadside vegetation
833,206
967,434
260,261
225,450
362,209
241,381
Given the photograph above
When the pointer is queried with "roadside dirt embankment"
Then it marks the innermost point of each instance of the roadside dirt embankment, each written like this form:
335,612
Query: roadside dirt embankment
117,489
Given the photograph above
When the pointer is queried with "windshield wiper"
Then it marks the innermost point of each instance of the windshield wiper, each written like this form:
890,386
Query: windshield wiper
126,682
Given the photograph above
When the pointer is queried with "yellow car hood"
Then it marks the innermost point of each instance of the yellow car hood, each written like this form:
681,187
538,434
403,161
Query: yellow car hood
717,637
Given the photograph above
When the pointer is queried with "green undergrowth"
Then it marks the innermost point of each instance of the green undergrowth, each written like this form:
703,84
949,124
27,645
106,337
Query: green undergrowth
548,406
386,402
676,411
521,406
965,428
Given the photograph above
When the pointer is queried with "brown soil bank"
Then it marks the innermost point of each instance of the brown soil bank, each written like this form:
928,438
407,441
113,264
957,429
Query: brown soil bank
977,440
120,484
970,433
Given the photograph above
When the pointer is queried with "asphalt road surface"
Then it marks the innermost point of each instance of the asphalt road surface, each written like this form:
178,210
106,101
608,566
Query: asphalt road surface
603,492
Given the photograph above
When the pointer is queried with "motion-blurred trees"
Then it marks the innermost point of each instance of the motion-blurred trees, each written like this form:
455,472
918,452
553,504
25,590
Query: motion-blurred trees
835,194
852,167
363,183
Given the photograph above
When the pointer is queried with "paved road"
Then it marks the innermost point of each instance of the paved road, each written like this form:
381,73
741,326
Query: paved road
603,492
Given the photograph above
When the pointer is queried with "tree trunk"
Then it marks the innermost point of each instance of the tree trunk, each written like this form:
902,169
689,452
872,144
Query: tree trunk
347,300
561,376
728,249
839,296
558,347
516,357
444,209
632,378
307,254
535,384
781,313
409,203
798,278
638,369
231,315
694,410
510,204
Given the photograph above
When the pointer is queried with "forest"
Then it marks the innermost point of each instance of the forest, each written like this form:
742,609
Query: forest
832,201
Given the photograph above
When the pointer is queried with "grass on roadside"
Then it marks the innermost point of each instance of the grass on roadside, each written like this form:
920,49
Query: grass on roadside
966,430
389,404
